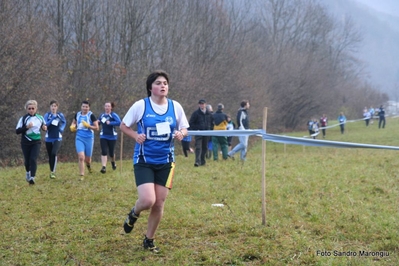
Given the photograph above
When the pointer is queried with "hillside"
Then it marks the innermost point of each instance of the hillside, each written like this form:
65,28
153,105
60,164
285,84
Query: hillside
379,49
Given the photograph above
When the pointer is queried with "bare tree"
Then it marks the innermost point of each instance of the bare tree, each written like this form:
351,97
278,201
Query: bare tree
289,55
312,57
30,69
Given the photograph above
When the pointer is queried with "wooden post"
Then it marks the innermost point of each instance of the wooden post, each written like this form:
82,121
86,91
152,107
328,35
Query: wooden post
264,169
121,155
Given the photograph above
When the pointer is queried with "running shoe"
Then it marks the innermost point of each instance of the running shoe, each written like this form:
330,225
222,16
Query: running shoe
89,168
27,177
130,220
149,244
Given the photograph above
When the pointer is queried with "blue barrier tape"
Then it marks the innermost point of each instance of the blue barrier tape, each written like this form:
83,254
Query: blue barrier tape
347,121
287,139
357,120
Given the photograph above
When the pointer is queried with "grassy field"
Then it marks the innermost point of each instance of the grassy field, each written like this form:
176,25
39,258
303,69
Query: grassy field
325,206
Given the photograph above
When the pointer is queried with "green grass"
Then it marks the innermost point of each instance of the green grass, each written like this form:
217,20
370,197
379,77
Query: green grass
317,199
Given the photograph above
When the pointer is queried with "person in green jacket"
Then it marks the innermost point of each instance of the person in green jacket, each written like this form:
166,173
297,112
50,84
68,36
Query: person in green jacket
29,127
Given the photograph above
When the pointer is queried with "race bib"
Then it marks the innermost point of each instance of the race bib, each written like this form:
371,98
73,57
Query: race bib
163,128
55,122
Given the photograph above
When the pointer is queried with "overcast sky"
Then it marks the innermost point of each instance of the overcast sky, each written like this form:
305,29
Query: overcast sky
387,6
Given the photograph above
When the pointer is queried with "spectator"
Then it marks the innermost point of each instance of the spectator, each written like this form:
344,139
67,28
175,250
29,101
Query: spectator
366,115
210,146
243,124
185,143
342,120
323,123
55,122
219,123
108,135
200,120
230,126
29,127
315,128
381,115
310,127
372,113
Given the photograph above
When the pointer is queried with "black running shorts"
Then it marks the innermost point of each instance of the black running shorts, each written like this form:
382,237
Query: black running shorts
161,174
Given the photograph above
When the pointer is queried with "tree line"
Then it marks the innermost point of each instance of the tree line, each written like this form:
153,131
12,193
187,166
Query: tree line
291,56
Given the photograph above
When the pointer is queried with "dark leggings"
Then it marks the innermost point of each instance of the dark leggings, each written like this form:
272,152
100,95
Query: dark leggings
382,121
229,139
201,148
31,152
186,147
52,151
106,145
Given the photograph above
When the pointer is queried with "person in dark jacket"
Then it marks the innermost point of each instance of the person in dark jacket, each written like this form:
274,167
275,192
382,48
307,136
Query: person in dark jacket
381,118
219,123
209,151
108,135
55,122
242,124
200,120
